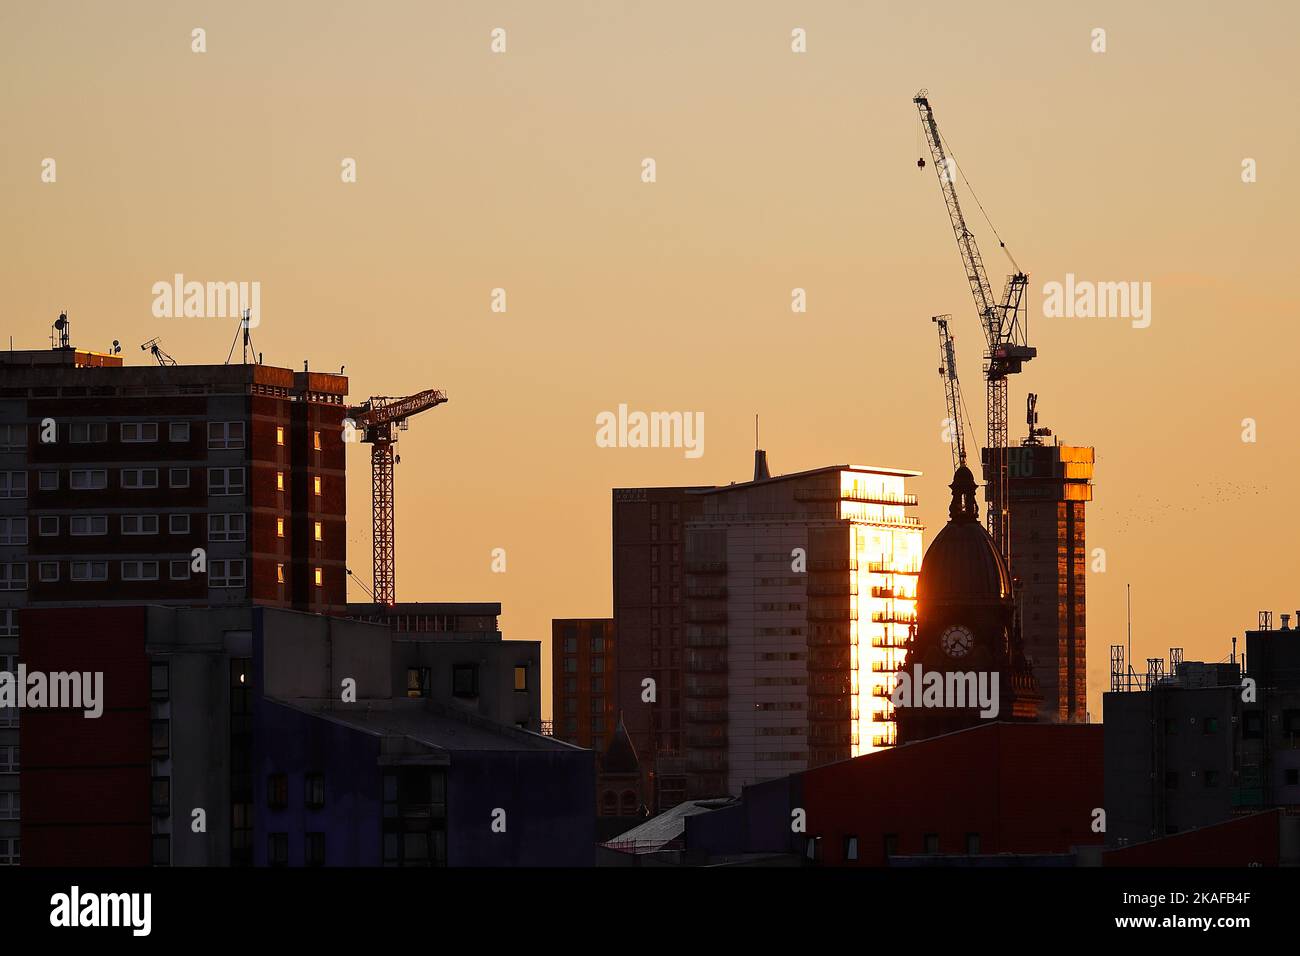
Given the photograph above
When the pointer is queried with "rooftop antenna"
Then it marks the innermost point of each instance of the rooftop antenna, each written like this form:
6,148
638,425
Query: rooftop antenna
243,333
1128,588
154,347
61,329
1036,434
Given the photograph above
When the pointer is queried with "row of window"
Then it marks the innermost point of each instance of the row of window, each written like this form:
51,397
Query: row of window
221,527
220,434
277,849
221,481
222,573
929,843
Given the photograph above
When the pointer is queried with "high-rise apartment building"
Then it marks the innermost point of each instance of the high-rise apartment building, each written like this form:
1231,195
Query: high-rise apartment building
174,485
800,593
583,673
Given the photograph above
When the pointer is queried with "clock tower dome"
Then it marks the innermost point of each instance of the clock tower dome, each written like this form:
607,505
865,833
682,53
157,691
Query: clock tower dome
965,662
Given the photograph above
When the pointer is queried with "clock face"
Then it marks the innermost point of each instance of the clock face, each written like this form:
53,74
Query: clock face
957,641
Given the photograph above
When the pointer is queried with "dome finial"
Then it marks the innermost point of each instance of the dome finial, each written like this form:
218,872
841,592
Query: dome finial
963,507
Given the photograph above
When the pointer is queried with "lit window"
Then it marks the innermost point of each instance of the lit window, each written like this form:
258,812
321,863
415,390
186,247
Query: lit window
279,481
318,531
279,434
316,485
521,677
315,440
279,527
279,574
319,577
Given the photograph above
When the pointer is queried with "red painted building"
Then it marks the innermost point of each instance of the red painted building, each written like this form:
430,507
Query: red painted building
999,788
73,763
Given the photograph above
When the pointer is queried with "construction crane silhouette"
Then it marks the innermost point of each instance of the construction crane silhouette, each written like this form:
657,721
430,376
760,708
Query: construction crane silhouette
1004,323
377,419
952,389
154,346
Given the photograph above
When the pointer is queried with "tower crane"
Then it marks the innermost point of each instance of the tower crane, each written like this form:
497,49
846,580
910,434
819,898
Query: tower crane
952,387
1005,331
377,419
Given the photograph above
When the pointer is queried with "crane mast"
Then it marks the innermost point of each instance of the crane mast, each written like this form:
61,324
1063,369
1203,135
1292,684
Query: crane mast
1005,332
952,389
378,419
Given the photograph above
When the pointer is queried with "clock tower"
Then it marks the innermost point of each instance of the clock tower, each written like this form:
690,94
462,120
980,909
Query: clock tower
965,663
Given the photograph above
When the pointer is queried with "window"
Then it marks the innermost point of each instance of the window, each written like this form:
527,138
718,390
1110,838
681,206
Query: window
227,527
90,479
139,524
13,437
178,524
48,525
225,481
160,796
139,432
931,843
133,478
10,805
972,844
317,530
1210,725
319,577
90,570
226,435
279,527
279,434
277,791
315,849
8,759
464,680
13,577
598,665
314,784
570,665
521,677
813,849
179,570
279,574
227,574
277,849
598,645
84,525
82,433
160,733
49,571
178,477
1211,778
570,645
161,849
178,431
851,849
417,682
598,685
159,680
9,855
279,481
315,484
890,842
13,530
315,440
13,484
139,570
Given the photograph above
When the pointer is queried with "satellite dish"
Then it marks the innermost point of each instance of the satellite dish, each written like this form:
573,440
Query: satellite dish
61,322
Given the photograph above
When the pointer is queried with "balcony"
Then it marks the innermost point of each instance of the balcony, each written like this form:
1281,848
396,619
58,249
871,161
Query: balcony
706,567
832,564
705,615
893,617
706,639
833,589
828,493
892,640
704,690
889,567
699,713
707,593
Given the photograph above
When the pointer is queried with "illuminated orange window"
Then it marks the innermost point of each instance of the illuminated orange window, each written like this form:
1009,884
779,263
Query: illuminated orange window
279,528
279,481
319,577
318,536
279,573
279,435
315,440
316,484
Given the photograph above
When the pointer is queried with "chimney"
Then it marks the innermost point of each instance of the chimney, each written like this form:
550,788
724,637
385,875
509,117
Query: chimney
760,465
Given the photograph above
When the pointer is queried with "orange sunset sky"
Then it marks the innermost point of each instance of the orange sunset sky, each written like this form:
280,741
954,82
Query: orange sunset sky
775,170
